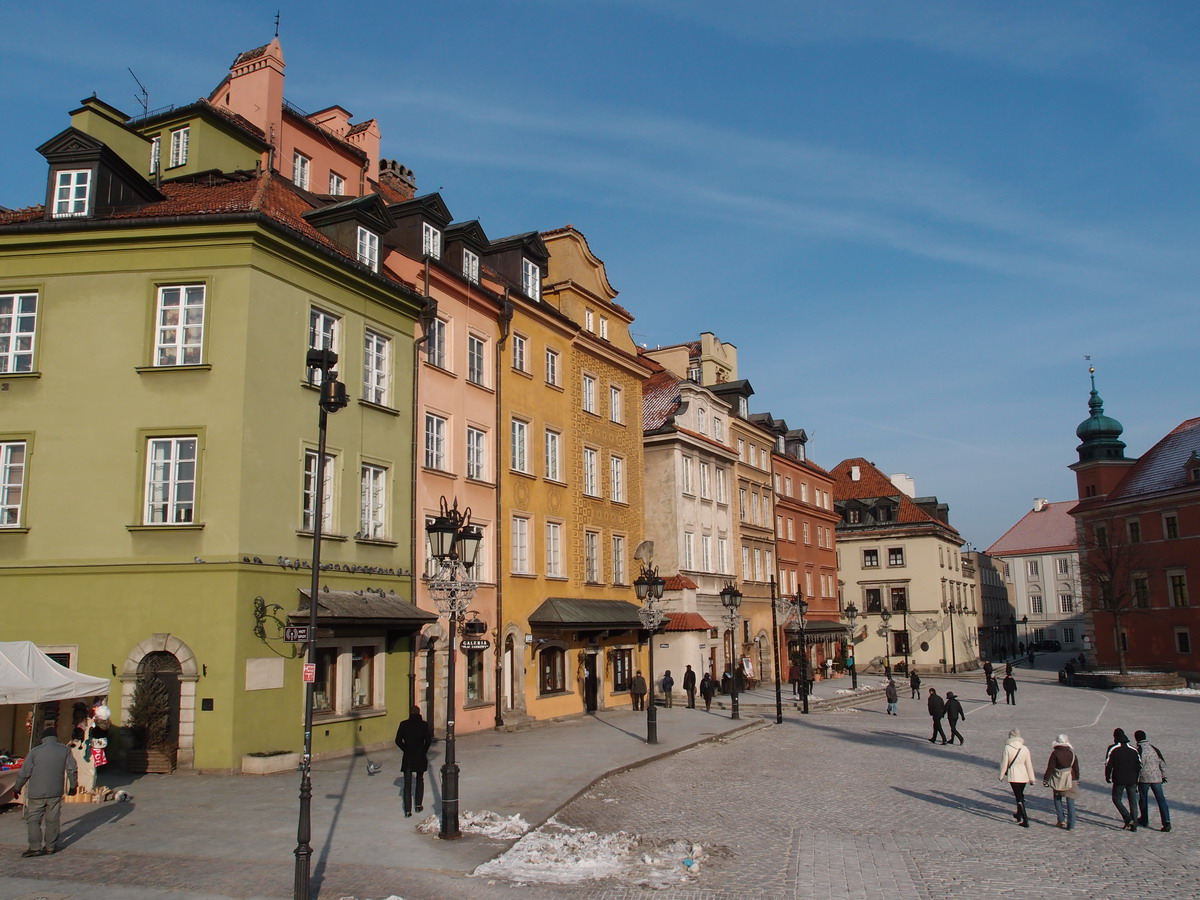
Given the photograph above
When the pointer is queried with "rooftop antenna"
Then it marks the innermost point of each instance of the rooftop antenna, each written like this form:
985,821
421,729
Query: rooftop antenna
143,99
276,23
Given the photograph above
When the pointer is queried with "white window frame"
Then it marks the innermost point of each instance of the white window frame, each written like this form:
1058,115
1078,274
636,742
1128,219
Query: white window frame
719,428
618,559
531,279
308,495
554,545
470,265
435,343
616,476
72,193
180,139
368,248
689,551
301,168
437,432
337,184
591,478
685,484
373,506
553,370
324,332
553,456
519,445
155,153
1064,565
615,406
179,325
1066,603
520,355
604,328
706,560
476,453
705,481
589,319
476,360
519,549
18,331
723,555
591,557
377,364
722,485
171,480
1033,568
1036,605
13,458
588,394
431,241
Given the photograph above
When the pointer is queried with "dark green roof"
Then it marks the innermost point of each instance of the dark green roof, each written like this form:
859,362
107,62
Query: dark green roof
562,612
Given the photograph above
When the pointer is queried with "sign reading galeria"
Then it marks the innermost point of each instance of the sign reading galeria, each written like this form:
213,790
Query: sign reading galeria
475,644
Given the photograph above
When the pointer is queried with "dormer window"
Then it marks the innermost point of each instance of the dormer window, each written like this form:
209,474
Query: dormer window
337,184
71,193
470,266
589,320
531,279
368,248
179,146
743,408
604,328
431,241
300,167
883,514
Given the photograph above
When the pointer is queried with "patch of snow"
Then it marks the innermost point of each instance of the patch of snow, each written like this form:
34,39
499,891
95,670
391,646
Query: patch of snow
1178,692
561,854
487,823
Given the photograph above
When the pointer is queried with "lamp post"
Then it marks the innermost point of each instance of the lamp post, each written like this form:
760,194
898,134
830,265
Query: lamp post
333,398
454,543
904,611
775,651
885,620
1012,632
801,610
731,599
851,614
955,609
649,589
1025,622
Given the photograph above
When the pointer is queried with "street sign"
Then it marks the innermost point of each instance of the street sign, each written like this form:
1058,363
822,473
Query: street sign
310,673
475,644
295,634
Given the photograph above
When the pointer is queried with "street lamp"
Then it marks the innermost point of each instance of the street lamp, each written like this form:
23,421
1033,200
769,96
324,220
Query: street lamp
731,599
454,542
649,590
333,398
1025,622
801,610
955,609
775,652
885,619
851,613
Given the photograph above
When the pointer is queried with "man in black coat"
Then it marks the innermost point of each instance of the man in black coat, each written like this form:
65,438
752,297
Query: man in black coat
954,712
413,737
937,709
1122,765
914,682
1010,690
689,687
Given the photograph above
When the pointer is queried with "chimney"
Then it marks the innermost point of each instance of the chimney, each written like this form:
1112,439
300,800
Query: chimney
398,178
1040,503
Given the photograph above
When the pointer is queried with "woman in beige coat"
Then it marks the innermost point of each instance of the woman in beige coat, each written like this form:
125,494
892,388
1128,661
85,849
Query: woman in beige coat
1016,767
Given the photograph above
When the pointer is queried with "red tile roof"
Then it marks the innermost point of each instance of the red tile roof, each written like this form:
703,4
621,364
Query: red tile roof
873,483
1161,469
686,621
1050,528
680,583
660,399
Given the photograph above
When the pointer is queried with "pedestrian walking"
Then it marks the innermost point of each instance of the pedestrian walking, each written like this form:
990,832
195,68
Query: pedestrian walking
794,676
668,683
828,669
1062,775
689,687
44,770
987,670
1152,777
1082,661
1016,767
1069,671
914,682
993,689
937,709
1007,669
1122,766
954,712
1031,657
413,737
1010,690
708,687
637,690
892,696
727,682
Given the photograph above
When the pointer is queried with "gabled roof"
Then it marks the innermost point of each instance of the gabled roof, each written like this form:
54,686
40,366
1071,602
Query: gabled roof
1161,470
367,210
686,621
428,206
660,399
1050,528
872,484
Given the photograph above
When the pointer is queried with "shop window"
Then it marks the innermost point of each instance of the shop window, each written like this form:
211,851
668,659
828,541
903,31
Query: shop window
475,669
362,673
325,686
622,664
552,670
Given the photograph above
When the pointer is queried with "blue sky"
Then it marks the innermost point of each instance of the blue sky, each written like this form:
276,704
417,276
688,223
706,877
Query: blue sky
913,220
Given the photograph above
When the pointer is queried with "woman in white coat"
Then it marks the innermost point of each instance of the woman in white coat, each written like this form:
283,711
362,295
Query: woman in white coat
1016,767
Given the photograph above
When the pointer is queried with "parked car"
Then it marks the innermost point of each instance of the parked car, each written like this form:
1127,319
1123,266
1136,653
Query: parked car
1047,646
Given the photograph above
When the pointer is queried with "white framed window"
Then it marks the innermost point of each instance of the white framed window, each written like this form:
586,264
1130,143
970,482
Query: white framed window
589,394
722,485
1177,592
1032,568
520,545
72,190
702,420
758,564
470,266
155,153
754,508
431,241
552,367
706,561
180,138
300,169
373,502
895,556
746,571
618,559
1035,604
1066,603
591,557
779,529
435,442
435,343
808,588
762,459
349,677
531,279
723,556
604,328
519,445
337,184
377,364
476,453
368,248
616,479
689,550
520,357
807,539
309,495
787,485
324,333
719,428
741,445
171,481
686,484
1064,565
179,336
615,410
743,505
12,483
476,360
553,446
18,328
791,529
590,476
554,566
705,480
589,320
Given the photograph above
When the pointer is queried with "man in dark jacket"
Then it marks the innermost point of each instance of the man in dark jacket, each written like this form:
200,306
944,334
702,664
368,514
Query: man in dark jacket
1010,690
689,687
1122,765
987,670
44,770
668,685
637,690
937,709
954,712
914,682
413,737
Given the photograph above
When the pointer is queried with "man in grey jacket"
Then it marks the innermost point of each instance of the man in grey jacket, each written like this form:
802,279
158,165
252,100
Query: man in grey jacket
44,771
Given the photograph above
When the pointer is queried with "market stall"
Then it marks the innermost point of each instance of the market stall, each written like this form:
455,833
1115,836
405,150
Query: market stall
29,680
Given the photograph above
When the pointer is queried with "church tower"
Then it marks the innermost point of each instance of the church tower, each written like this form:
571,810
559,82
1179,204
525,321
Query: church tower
1102,460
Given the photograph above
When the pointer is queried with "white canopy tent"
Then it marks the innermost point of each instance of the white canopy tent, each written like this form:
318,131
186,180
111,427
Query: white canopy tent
27,675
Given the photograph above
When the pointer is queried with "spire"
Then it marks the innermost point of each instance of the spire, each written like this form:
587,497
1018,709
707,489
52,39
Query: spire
1100,434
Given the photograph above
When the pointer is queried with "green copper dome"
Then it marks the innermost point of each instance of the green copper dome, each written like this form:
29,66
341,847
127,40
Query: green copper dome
1099,433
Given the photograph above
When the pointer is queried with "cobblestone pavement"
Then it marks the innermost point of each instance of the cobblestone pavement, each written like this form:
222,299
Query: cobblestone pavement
845,804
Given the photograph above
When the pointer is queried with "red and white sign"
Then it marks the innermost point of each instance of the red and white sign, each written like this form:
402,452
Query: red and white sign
310,673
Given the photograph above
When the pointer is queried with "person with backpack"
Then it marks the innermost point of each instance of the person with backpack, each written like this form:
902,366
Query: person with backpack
708,687
1152,777
1062,774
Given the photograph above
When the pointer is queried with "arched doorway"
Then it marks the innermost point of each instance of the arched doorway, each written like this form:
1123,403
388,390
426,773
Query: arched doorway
165,667
172,660
510,678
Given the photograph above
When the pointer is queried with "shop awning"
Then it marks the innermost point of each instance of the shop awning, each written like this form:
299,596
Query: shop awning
27,675
820,632
363,608
572,613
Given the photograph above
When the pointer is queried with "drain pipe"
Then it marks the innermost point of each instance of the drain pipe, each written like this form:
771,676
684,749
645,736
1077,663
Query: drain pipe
504,321
419,641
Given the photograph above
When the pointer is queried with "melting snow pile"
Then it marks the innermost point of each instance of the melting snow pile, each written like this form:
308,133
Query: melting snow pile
560,854
487,823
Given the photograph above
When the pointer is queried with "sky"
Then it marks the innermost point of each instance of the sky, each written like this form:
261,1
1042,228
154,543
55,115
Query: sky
915,221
